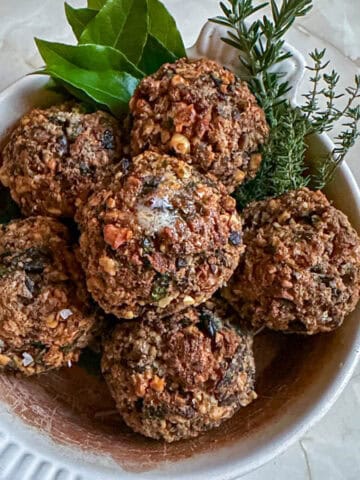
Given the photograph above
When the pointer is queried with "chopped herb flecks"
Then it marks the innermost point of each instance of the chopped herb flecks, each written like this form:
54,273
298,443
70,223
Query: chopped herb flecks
160,287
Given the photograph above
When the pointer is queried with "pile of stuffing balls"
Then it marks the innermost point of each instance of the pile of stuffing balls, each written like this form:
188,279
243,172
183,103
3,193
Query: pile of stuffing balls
160,248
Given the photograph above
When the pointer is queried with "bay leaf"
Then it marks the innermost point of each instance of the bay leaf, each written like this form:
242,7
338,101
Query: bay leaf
107,87
79,18
95,57
96,4
155,55
121,24
163,27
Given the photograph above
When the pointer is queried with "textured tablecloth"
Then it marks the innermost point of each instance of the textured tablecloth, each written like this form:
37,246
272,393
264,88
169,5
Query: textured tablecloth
330,450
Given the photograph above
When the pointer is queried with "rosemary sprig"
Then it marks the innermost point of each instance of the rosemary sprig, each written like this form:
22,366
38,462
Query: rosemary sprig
261,43
261,46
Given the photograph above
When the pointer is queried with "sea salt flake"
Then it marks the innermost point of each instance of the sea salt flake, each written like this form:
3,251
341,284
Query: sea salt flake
69,363
2,345
27,359
161,203
66,313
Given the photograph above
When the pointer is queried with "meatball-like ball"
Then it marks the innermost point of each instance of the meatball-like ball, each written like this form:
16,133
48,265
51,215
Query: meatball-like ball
301,269
200,112
177,379
45,316
158,239
55,157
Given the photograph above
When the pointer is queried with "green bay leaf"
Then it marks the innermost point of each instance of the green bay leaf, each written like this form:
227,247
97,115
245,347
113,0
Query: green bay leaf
79,18
96,4
155,55
67,89
164,43
163,27
107,87
121,24
93,57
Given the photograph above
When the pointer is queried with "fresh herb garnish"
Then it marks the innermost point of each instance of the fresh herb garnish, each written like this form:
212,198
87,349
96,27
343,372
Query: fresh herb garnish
261,44
81,71
323,120
283,166
79,18
96,3
121,24
163,27
119,42
155,55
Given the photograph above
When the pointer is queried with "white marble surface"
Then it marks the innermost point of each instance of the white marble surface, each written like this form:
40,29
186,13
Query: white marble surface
331,450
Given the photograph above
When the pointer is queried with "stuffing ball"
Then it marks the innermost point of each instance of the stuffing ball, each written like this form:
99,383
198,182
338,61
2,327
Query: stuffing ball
177,379
158,239
45,316
301,269
200,112
56,156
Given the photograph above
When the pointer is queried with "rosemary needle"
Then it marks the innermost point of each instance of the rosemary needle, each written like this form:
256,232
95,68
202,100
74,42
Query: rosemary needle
261,46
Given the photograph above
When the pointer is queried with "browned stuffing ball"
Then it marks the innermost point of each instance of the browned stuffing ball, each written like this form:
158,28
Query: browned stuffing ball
301,269
45,316
200,112
177,379
55,157
162,237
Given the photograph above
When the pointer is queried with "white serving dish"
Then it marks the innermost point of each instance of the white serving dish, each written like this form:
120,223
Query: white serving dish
41,439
